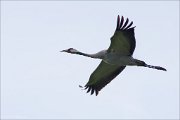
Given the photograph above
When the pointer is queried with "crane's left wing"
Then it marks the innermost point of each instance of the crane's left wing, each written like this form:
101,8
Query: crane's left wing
103,75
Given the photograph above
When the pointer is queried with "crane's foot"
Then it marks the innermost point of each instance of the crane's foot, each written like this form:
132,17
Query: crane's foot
156,67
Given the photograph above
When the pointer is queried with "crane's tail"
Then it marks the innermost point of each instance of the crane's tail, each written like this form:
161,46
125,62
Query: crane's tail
155,67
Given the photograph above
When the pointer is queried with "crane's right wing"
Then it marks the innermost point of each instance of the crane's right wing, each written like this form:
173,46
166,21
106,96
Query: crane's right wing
123,41
103,75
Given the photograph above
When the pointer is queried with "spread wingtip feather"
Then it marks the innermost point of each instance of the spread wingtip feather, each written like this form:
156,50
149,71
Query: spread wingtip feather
121,25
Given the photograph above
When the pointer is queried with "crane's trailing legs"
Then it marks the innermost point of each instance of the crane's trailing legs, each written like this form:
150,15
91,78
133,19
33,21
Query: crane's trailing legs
142,63
155,67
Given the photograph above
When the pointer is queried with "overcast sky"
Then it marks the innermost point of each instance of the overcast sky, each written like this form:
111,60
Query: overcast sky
38,81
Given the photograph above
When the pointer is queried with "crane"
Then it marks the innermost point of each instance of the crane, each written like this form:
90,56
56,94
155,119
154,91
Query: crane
115,58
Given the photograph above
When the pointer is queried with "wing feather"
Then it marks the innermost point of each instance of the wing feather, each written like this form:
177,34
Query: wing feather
127,20
103,75
129,26
121,23
118,21
123,41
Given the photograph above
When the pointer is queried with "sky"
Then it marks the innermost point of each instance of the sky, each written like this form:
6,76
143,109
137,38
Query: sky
39,82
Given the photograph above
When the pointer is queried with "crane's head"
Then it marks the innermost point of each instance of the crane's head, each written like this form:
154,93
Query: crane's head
71,50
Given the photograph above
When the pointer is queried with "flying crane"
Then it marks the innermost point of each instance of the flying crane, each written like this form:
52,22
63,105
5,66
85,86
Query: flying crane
115,58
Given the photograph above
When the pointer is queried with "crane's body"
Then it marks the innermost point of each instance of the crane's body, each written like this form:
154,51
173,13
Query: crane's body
115,58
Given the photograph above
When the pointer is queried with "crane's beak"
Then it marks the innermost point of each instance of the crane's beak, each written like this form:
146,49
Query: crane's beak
63,51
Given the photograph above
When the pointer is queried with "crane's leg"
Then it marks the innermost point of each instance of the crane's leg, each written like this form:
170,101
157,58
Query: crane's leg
142,63
155,67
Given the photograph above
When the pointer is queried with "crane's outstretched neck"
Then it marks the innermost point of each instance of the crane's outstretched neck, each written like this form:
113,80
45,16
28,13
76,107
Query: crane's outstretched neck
89,55
98,55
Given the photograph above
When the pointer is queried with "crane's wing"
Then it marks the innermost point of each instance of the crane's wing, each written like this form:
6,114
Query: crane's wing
103,75
123,41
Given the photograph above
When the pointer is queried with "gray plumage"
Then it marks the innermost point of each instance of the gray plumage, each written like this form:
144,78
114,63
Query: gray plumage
115,58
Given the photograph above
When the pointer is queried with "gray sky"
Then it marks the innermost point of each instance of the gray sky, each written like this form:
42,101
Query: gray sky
37,81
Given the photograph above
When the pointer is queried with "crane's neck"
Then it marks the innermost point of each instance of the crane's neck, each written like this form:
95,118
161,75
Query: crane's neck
98,55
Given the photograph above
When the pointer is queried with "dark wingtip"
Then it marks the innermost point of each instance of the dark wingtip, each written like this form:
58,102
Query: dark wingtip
91,90
129,26
96,91
118,21
123,26
121,23
118,18
85,87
